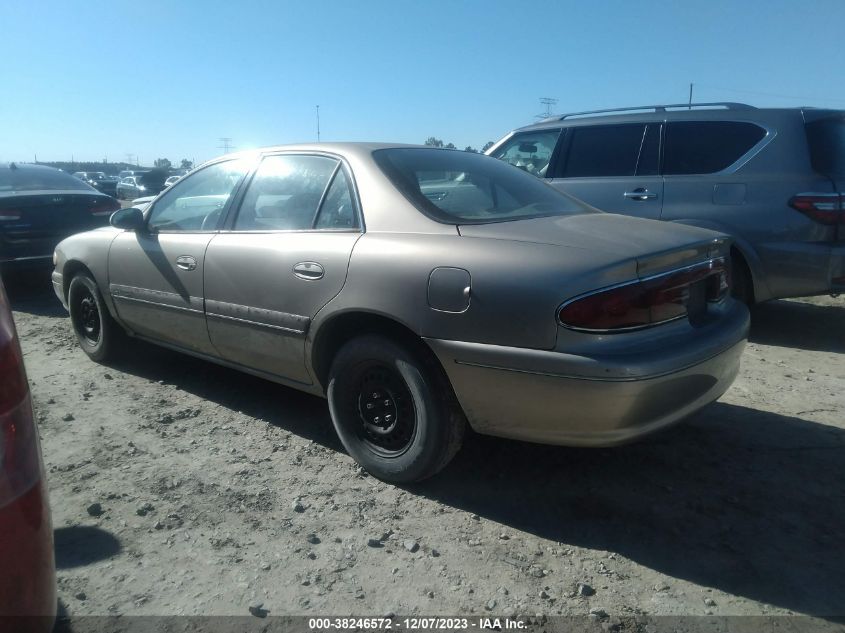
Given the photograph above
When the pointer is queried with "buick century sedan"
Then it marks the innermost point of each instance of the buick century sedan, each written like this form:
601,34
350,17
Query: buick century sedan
418,290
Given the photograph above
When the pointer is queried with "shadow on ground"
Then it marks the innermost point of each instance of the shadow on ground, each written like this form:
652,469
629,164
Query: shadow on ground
32,291
799,325
82,545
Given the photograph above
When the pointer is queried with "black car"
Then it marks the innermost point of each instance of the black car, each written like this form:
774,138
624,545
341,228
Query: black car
39,207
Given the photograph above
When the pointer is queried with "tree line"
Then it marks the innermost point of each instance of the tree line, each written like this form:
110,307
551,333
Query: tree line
436,142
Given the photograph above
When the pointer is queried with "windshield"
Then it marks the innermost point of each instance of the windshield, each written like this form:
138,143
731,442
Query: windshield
467,188
39,179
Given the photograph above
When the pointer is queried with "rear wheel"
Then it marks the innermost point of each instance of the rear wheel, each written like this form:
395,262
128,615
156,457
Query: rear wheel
392,410
98,333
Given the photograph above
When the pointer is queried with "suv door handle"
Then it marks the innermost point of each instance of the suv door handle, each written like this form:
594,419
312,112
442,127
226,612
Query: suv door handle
186,262
640,194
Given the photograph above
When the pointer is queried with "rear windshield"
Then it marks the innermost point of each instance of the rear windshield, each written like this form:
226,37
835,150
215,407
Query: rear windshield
826,138
467,188
39,179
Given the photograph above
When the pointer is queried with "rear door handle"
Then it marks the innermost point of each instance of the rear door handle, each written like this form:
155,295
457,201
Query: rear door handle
186,262
309,270
640,194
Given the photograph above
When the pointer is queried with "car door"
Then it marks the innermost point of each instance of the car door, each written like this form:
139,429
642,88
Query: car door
615,168
156,274
282,257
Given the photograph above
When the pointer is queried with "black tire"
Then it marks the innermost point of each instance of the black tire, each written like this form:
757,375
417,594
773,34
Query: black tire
372,378
99,335
743,286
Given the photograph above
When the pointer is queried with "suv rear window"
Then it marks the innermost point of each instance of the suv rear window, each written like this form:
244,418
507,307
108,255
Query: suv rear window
826,138
705,147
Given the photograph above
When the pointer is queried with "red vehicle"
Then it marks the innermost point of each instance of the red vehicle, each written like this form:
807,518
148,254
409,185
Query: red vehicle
27,567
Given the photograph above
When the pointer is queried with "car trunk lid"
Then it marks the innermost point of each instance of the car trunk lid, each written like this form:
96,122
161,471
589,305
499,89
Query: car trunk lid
657,247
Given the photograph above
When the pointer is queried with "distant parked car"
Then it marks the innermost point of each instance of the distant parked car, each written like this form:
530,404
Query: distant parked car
417,288
142,183
771,178
28,580
39,207
99,180
171,181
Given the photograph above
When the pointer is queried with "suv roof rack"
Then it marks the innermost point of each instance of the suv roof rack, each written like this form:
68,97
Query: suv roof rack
729,105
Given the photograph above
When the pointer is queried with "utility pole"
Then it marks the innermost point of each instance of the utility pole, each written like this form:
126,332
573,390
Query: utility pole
690,97
318,124
129,158
226,144
549,102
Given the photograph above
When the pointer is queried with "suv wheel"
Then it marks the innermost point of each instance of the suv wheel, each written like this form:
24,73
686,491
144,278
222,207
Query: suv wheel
391,410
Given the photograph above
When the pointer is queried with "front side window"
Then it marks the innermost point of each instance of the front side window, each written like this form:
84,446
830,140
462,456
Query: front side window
604,150
467,188
285,193
197,202
530,151
705,147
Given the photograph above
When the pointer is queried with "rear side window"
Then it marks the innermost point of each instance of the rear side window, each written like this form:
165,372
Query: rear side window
705,147
826,139
530,151
285,193
608,150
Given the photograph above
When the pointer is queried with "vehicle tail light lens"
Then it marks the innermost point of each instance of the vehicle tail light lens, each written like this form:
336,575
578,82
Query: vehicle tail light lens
9,215
106,207
649,301
20,463
824,208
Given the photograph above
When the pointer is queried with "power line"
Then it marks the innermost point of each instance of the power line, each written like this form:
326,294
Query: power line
226,144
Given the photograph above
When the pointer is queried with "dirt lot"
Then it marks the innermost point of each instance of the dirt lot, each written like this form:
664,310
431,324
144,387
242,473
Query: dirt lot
216,489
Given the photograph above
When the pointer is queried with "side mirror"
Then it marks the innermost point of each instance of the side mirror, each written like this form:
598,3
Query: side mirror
129,219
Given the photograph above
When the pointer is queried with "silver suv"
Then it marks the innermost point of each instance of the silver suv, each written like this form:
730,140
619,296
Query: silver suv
772,178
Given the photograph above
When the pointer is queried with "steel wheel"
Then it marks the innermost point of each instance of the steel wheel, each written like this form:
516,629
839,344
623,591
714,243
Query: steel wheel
89,318
386,410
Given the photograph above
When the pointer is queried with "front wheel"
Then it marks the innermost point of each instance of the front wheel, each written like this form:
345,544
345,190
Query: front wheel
393,411
98,334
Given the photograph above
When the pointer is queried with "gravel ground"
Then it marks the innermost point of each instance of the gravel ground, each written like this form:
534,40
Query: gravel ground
180,487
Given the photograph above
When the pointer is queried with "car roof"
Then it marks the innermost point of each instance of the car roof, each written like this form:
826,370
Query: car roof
28,167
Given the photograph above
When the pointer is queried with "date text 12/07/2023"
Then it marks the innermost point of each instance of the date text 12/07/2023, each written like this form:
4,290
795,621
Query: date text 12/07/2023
416,624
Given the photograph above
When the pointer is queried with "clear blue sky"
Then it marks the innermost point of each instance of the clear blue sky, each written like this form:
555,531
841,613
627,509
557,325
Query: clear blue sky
167,79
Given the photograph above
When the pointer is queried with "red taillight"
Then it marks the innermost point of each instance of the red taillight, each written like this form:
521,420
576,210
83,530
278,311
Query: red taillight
9,215
824,208
106,207
650,301
20,465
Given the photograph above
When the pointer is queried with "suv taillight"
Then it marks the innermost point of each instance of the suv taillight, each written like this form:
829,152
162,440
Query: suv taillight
20,463
824,208
650,301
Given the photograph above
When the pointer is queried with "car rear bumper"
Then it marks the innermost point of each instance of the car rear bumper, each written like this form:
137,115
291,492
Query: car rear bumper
582,401
28,581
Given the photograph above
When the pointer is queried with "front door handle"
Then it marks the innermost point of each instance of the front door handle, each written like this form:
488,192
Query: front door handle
186,262
640,194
